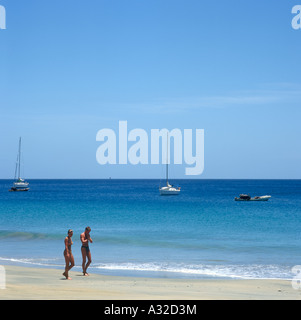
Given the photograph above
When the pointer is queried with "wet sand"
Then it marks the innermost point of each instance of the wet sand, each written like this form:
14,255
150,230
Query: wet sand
48,284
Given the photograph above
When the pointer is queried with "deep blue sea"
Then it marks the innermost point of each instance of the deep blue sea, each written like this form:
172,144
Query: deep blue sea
201,233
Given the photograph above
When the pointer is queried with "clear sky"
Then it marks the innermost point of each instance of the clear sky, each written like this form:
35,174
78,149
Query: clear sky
70,68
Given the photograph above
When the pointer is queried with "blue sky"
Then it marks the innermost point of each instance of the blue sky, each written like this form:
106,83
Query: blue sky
70,68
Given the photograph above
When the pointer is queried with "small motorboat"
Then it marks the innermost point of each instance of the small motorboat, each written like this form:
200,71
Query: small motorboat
247,197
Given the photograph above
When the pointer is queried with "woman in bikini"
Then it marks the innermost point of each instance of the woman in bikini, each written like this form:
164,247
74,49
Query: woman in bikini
68,254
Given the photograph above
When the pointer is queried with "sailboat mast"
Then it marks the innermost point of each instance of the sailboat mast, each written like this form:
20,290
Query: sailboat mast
19,176
167,162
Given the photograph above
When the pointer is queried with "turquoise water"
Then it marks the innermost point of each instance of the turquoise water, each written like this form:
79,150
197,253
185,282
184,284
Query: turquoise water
200,233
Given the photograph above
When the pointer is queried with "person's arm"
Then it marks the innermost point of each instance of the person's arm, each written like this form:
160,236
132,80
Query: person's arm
83,240
66,245
89,238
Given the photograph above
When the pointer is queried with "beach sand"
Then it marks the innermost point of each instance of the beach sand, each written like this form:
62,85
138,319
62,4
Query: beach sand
49,284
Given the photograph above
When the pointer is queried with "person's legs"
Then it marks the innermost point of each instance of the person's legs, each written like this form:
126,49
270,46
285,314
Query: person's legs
71,265
84,255
89,261
67,260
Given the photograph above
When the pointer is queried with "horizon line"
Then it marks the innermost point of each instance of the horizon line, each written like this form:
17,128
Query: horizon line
154,179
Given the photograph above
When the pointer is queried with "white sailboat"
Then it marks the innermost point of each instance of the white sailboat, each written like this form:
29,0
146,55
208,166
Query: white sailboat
20,184
168,190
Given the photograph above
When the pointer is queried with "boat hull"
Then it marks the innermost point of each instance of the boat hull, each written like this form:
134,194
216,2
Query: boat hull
20,185
18,189
165,191
263,198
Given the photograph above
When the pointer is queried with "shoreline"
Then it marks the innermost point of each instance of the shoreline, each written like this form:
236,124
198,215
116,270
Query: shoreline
26,283
133,273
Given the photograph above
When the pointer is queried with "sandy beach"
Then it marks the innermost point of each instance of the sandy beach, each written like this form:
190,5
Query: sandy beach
49,284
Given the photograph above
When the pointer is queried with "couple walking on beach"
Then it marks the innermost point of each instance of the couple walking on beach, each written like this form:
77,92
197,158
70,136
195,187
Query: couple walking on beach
86,253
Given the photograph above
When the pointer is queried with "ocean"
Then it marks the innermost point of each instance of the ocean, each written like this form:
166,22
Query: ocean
199,234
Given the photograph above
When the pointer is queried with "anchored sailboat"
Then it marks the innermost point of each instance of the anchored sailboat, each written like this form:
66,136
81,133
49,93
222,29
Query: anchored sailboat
20,184
168,190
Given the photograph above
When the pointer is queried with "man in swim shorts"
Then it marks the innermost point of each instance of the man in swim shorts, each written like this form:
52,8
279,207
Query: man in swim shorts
86,253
